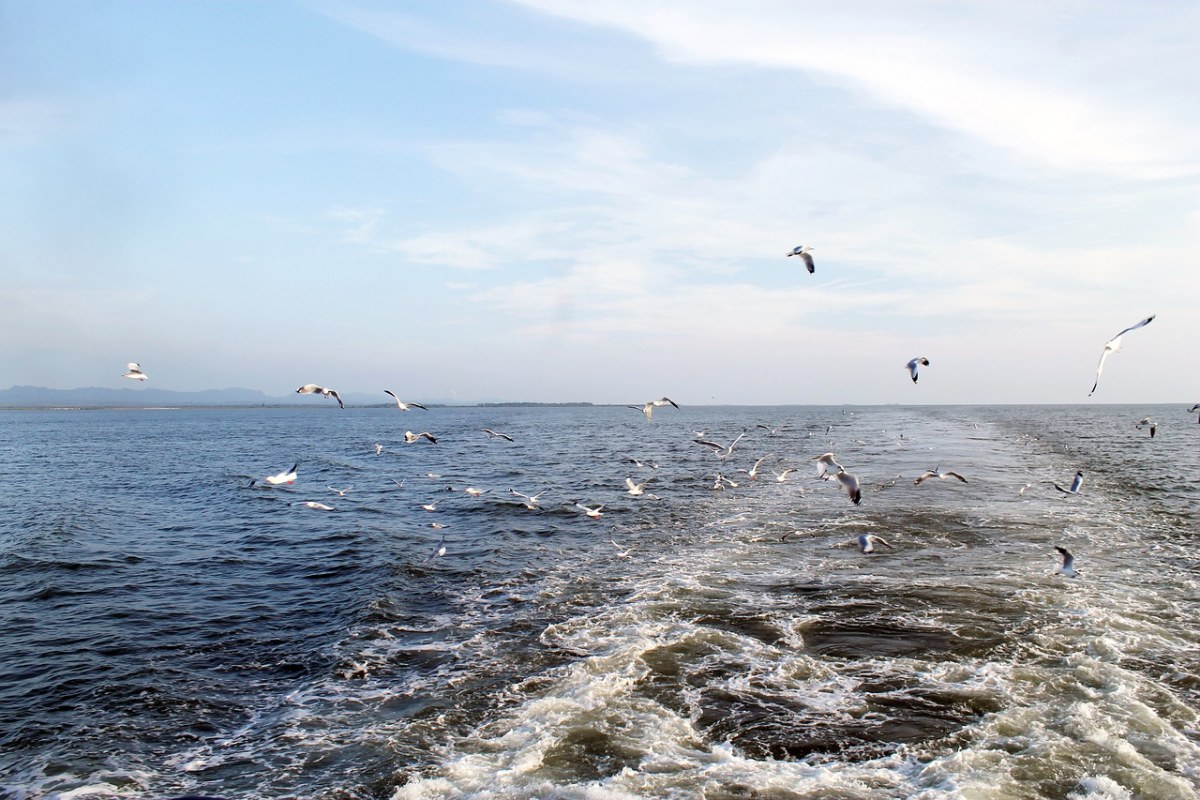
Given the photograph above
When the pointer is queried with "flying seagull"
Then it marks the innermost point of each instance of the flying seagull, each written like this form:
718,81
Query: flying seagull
594,513
1150,423
850,483
438,551
936,472
1068,563
133,370
339,492
721,451
410,437
494,435
912,366
531,500
722,482
826,463
867,542
400,404
639,489
782,476
1113,345
1194,409
620,553
287,476
803,251
753,471
312,388
648,408
1075,484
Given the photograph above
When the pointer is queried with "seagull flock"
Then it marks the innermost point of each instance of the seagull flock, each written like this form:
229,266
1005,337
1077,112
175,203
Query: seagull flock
827,467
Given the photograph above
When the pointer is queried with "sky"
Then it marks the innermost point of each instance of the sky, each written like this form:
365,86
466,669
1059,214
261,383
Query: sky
544,200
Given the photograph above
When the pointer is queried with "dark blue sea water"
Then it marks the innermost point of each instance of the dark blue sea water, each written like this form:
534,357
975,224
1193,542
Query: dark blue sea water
168,628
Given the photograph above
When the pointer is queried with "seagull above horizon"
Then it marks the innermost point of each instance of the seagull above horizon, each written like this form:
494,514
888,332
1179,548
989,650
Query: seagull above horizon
648,408
1068,563
495,435
1075,484
133,371
936,472
400,404
803,251
912,366
287,476
867,542
312,388
1113,345
1150,423
410,437
1194,409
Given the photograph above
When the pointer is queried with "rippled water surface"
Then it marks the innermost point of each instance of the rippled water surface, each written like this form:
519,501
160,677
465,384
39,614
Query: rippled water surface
168,628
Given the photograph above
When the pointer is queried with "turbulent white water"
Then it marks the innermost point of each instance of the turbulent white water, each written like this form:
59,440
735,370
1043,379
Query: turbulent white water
745,648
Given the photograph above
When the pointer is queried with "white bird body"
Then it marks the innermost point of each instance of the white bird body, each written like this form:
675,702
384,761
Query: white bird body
636,489
620,553
496,435
400,404
722,451
753,471
312,388
378,449
782,476
471,491
594,513
133,371
411,438
1113,345
936,472
1146,421
648,408
318,506
287,476
850,484
531,500
826,464
911,366
339,492
867,542
803,251
1068,563
438,551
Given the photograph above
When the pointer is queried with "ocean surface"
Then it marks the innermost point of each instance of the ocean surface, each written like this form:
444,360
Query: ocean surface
167,628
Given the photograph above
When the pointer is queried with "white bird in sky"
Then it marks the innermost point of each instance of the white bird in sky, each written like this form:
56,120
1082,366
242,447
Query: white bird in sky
867,542
496,435
594,513
1113,345
410,437
826,464
133,371
400,404
936,472
803,251
1068,563
850,484
912,366
721,451
287,476
312,388
648,408
1148,422
531,500
1075,484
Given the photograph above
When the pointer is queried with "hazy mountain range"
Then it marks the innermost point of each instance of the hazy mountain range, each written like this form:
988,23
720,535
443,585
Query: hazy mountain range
140,397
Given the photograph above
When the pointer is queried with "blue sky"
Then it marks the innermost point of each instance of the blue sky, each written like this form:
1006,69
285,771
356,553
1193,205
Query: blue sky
551,200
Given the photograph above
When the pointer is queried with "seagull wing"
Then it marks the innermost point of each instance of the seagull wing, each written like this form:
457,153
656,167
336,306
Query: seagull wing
926,475
952,475
808,262
1144,322
337,397
1104,357
391,394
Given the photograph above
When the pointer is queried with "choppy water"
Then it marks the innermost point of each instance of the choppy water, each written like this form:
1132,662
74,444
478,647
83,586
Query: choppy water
165,628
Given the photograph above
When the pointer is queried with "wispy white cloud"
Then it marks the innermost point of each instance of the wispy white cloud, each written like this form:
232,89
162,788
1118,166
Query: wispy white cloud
979,73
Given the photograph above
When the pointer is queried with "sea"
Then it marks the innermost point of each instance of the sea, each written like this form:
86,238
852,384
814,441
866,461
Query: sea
172,625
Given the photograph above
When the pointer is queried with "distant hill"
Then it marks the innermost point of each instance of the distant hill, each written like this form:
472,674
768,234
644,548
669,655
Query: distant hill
26,396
